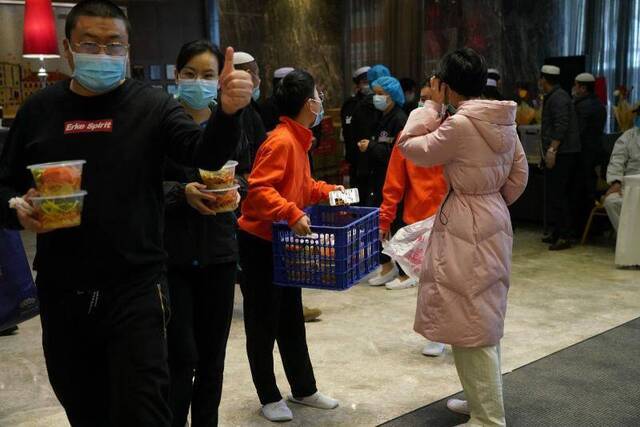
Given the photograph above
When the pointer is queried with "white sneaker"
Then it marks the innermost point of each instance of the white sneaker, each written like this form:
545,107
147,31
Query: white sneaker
277,411
433,349
458,406
380,279
316,400
397,284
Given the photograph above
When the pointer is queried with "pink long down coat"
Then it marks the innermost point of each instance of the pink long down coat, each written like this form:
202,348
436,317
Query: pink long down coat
463,288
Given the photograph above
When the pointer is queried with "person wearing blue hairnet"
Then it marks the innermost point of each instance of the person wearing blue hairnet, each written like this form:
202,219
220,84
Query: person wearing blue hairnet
364,122
388,99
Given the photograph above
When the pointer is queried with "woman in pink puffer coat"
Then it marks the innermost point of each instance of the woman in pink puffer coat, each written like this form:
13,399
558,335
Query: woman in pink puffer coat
463,289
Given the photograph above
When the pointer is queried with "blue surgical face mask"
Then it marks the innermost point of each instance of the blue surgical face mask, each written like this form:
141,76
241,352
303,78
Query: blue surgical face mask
319,115
256,94
99,73
380,102
198,94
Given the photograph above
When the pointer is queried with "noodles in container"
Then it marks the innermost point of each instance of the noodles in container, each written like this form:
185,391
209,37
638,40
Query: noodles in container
221,179
226,199
58,178
56,212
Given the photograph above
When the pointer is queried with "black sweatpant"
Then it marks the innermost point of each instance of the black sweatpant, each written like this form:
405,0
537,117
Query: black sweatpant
559,192
201,311
272,313
584,187
106,352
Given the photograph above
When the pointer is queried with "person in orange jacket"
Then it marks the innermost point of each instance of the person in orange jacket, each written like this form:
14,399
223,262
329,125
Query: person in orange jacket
280,187
422,191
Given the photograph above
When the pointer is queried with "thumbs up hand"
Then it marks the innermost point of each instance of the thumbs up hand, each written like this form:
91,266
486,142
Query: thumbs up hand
236,86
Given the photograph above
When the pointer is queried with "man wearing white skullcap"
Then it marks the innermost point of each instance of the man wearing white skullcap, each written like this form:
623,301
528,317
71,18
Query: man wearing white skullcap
561,145
491,90
269,109
592,117
254,133
361,90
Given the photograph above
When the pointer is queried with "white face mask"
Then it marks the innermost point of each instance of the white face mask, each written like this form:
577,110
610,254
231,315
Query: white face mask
380,102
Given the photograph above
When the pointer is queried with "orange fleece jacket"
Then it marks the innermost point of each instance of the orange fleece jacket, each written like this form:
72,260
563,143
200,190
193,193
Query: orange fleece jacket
280,184
421,188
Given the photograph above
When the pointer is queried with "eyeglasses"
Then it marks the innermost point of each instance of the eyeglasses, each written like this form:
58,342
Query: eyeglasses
188,74
111,49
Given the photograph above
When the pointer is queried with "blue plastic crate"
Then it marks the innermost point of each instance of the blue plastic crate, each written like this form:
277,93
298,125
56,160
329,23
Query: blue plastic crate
345,248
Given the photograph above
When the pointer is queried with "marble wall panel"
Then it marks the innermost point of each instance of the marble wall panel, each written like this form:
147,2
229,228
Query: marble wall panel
299,33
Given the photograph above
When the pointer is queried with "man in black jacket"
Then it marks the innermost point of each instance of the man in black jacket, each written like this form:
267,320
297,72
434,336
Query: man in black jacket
362,89
268,109
101,285
561,146
253,130
592,117
364,123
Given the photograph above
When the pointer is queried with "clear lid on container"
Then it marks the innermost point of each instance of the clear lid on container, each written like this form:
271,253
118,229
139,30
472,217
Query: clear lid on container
77,195
221,190
57,164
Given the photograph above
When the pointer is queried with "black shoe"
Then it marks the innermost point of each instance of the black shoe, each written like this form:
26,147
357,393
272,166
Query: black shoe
9,331
550,239
560,245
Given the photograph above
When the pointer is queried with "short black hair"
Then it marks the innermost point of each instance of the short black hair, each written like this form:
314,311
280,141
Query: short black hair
360,78
293,91
465,71
275,82
99,8
552,79
195,48
425,83
494,76
408,84
590,86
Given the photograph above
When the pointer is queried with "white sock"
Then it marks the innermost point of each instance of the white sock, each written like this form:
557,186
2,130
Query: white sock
458,406
433,349
316,400
277,411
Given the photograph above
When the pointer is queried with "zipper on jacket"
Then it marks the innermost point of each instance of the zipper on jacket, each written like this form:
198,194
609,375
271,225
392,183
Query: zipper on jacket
93,302
162,307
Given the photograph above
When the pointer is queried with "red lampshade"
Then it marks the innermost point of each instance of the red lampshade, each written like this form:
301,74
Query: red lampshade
40,39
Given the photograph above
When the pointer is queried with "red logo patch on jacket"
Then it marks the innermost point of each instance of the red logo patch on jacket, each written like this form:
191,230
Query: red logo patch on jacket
88,126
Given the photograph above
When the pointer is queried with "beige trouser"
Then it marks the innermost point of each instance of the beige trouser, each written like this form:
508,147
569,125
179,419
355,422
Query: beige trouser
479,372
613,205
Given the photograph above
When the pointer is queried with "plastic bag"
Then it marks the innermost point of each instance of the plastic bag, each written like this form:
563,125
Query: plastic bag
408,246
18,295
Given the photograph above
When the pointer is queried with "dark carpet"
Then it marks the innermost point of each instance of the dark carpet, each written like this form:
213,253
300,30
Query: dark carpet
593,383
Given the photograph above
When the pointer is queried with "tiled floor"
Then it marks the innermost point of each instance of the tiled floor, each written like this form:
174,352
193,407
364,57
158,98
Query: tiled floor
364,350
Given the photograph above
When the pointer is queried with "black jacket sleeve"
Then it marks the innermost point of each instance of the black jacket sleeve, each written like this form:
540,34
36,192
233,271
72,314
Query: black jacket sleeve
15,179
189,145
175,179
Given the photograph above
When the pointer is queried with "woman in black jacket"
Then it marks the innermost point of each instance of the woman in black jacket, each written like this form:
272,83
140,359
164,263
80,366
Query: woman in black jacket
203,255
389,99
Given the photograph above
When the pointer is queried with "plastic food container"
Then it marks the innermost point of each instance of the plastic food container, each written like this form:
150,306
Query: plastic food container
56,212
226,199
221,179
58,178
